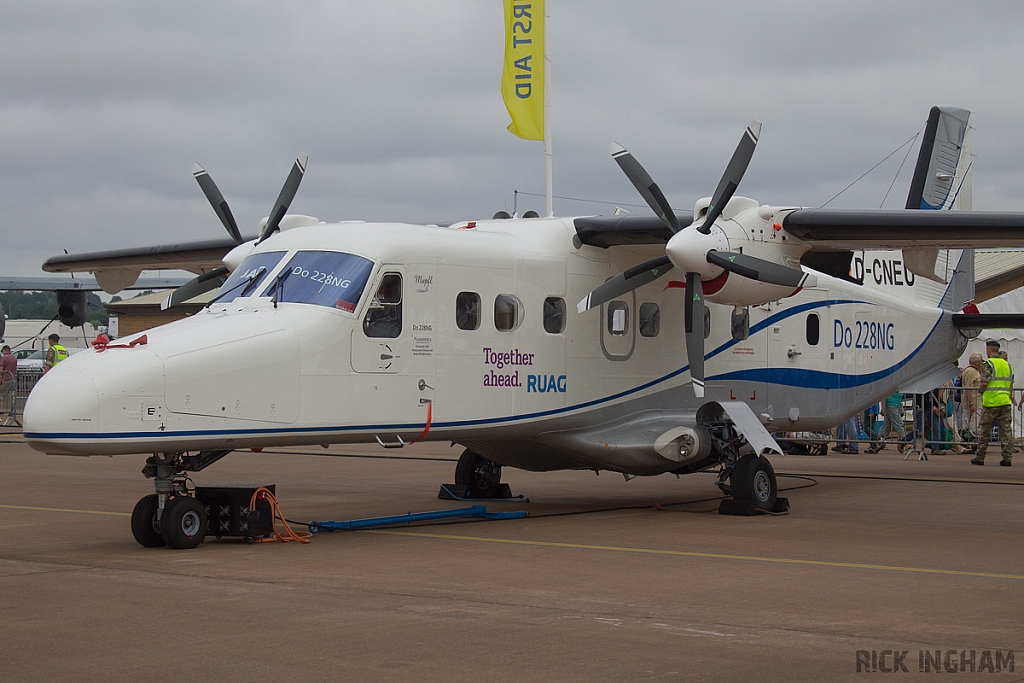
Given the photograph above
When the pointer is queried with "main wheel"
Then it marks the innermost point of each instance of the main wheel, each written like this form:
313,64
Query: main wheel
753,479
184,522
145,526
481,477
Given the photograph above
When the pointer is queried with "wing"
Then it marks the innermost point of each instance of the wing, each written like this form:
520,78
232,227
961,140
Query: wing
830,229
84,284
197,257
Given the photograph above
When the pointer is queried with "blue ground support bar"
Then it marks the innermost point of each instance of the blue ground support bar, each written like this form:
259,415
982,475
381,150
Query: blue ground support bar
479,511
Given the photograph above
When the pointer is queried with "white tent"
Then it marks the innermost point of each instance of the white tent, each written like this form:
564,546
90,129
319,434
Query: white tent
1011,341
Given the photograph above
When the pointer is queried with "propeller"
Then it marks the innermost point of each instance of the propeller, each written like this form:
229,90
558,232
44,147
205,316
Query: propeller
194,287
220,205
215,278
693,250
291,186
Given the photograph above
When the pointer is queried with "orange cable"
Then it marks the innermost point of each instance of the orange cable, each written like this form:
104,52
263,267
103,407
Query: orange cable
289,534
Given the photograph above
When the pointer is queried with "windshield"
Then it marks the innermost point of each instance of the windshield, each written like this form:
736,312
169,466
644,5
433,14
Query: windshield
248,275
325,278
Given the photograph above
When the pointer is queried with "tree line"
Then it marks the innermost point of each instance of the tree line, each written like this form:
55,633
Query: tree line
43,306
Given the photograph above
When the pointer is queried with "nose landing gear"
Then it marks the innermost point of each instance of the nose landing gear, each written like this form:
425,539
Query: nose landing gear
172,516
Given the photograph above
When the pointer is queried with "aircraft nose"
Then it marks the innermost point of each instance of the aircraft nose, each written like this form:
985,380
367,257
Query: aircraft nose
65,401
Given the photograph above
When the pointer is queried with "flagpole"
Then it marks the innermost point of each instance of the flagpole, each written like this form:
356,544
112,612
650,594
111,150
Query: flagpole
547,119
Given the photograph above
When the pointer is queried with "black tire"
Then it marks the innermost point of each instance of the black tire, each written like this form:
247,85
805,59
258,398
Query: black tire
481,477
753,479
184,523
145,527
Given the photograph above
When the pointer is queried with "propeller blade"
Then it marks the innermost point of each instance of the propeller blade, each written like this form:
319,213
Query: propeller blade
760,270
220,205
645,185
733,175
284,200
194,287
624,282
694,310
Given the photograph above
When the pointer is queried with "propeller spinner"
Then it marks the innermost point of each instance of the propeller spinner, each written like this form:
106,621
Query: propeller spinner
696,250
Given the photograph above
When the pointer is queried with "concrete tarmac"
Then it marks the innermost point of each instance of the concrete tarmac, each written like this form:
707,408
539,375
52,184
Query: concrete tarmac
598,584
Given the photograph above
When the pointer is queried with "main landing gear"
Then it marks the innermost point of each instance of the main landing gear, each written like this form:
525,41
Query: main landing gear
749,479
475,477
172,516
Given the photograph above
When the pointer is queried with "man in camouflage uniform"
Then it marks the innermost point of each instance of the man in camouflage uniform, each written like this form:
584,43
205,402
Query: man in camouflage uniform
997,404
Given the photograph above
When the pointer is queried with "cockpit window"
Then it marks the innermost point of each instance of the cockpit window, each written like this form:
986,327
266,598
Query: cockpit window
325,278
249,275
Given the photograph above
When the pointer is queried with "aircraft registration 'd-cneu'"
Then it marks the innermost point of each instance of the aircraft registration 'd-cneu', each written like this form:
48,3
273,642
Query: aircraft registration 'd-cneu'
390,333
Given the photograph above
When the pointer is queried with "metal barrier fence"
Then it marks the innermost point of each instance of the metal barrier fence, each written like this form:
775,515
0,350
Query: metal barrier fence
942,422
27,378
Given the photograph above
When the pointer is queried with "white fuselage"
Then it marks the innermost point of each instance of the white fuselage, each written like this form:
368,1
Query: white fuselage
251,372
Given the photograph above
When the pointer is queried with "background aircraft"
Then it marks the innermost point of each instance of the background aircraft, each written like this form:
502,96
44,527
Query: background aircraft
355,332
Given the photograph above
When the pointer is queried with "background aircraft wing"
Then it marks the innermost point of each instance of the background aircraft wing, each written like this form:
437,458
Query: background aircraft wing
86,284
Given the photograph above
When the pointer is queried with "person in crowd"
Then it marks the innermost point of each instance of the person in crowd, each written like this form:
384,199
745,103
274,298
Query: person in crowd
892,420
970,398
8,381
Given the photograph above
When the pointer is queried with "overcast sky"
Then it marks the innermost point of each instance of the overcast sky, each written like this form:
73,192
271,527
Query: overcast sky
104,105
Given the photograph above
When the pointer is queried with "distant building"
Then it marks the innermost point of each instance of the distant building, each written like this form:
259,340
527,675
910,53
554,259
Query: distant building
143,312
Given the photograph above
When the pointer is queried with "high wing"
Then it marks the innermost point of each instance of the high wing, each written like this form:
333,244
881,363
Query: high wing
198,257
85,284
904,229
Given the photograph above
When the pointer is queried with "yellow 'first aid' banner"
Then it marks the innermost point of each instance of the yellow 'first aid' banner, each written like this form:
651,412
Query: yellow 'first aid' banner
522,80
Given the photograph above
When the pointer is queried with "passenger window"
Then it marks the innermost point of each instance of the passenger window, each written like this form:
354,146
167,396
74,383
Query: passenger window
650,320
554,315
813,329
467,311
507,312
384,319
707,322
618,318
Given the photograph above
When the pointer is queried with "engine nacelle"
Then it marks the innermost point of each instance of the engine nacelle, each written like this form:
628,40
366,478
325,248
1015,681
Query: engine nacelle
72,307
683,444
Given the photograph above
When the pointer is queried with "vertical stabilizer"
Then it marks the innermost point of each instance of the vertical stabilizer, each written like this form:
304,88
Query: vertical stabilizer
942,178
942,182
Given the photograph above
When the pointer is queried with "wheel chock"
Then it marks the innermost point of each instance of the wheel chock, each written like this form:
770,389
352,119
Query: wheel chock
460,492
747,508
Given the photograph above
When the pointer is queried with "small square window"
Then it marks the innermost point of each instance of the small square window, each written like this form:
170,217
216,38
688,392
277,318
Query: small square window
813,329
507,312
554,315
618,318
467,311
650,320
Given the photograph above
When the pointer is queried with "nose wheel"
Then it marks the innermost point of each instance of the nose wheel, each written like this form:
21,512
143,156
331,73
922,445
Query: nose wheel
184,523
171,516
146,523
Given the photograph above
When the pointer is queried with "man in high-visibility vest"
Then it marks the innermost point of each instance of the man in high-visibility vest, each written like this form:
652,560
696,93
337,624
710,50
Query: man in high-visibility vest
55,354
996,401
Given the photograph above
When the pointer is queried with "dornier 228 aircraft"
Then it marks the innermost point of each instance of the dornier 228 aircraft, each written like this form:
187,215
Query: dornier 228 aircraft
696,336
